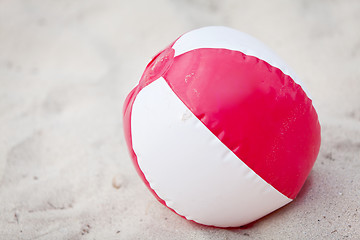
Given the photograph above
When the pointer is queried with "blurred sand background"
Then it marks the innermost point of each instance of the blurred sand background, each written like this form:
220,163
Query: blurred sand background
65,70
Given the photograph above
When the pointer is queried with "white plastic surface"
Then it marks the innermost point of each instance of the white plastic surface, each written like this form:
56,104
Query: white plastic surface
190,169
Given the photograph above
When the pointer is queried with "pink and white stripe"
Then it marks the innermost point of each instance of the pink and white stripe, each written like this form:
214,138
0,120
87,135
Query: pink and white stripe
219,128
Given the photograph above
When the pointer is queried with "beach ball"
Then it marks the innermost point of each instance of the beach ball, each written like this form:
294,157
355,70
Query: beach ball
220,129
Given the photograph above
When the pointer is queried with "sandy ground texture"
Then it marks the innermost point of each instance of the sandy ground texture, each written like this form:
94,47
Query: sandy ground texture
65,70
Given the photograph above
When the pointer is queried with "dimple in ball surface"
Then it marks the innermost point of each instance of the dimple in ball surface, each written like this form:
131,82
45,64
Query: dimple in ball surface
220,129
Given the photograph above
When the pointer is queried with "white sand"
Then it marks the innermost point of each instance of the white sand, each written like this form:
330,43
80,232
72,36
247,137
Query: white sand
65,70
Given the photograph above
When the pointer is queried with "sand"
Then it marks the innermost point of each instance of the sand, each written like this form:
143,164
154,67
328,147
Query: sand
65,70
